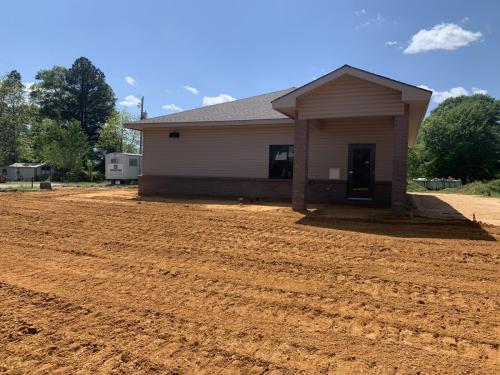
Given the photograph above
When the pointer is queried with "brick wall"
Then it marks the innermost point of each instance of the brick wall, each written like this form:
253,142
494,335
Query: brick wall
399,168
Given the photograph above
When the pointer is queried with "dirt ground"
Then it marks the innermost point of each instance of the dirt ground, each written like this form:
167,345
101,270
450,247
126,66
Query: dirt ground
458,206
98,281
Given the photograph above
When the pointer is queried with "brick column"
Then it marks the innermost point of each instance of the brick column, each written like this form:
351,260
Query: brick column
399,163
300,158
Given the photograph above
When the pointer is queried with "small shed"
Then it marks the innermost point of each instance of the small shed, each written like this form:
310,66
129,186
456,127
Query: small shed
123,166
26,171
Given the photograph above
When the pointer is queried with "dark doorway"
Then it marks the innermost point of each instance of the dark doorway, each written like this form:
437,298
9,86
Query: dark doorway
361,171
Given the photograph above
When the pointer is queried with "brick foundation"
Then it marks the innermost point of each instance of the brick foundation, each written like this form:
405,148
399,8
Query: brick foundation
276,190
331,191
317,191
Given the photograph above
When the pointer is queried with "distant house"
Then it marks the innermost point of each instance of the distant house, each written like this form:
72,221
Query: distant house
26,171
343,137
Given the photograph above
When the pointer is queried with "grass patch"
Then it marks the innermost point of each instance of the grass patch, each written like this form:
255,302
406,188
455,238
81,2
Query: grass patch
22,186
487,189
413,187
25,186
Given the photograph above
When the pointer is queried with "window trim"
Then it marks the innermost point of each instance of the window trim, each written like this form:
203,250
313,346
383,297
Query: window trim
288,160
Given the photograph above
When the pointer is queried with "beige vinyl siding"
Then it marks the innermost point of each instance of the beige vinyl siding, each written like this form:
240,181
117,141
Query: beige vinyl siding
213,152
348,96
329,145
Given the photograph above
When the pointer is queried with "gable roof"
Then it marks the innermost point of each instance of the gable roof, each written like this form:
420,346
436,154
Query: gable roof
279,107
255,108
417,98
408,92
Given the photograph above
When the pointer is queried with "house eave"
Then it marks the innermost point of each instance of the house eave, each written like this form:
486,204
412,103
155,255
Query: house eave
166,125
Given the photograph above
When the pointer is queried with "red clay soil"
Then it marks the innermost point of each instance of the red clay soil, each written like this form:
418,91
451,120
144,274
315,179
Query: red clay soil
97,281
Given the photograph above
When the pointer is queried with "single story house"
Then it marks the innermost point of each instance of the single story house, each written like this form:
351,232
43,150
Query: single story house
343,137
26,171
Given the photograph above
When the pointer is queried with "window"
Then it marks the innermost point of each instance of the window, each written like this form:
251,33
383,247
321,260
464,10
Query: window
132,163
115,161
281,161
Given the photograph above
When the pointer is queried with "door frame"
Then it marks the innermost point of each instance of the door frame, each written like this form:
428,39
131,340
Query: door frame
371,185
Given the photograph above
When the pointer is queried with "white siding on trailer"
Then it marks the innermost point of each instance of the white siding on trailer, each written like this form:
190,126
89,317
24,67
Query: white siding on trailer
134,170
25,174
329,145
12,173
124,170
348,96
229,151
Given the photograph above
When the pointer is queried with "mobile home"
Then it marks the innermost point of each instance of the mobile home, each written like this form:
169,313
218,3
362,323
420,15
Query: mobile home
26,171
123,166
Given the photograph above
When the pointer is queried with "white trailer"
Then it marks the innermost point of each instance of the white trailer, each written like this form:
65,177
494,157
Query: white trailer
123,167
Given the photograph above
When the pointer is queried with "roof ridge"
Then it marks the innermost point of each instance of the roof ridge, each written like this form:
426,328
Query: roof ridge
355,68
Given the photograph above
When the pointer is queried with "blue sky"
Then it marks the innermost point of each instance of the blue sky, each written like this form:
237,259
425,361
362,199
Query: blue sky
182,54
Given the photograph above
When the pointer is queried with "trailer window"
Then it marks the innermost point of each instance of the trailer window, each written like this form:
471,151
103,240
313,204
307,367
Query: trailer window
132,162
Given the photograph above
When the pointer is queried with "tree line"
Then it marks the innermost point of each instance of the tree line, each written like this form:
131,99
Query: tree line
459,139
67,119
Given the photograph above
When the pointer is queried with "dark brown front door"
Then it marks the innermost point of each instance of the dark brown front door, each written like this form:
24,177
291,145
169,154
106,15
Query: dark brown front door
361,171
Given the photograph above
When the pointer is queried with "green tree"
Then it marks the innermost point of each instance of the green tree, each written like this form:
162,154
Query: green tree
65,148
417,160
461,138
114,137
79,93
50,92
13,117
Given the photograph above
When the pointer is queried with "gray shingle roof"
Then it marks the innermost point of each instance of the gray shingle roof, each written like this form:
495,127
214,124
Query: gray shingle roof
27,165
253,108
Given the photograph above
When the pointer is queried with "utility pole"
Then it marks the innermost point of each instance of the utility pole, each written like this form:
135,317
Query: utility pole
142,108
141,118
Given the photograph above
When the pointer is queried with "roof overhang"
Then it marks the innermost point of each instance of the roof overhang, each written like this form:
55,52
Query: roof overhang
179,125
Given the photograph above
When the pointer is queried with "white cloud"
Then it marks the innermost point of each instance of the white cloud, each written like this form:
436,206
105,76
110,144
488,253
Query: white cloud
447,36
360,12
222,98
477,90
130,80
441,96
192,90
171,107
391,43
130,101
465,19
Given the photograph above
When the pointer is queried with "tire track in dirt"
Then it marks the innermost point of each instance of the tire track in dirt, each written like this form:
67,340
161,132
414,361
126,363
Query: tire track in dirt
232,290
346,322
